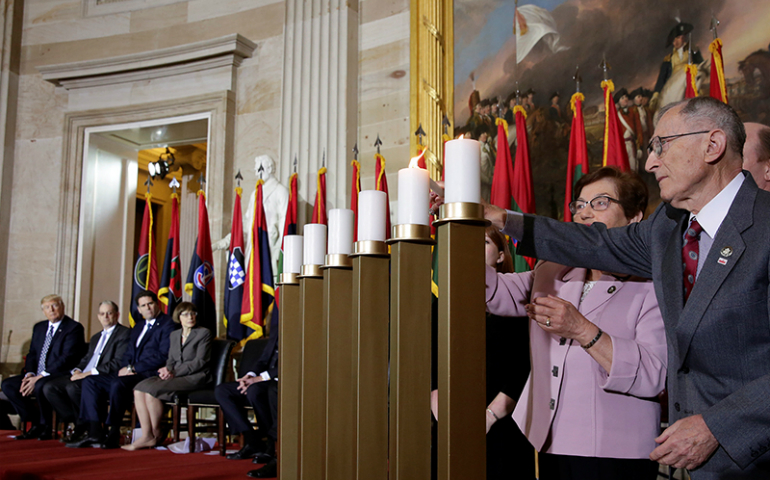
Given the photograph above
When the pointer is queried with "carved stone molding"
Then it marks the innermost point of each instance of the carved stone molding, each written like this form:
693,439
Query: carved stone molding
228,50
95,8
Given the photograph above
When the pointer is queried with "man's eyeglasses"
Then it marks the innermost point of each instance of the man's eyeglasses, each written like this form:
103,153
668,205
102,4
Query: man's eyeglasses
602,202
656,144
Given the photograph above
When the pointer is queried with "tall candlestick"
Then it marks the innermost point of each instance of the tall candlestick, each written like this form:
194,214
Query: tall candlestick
315,244
413,196
292,254
341,231
462,171
371,215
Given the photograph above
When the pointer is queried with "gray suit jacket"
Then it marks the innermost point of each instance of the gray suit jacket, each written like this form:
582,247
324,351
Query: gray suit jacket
719,342
190,360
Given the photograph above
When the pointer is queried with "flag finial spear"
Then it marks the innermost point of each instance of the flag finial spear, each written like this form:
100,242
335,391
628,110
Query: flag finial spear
445,123
295,163
714,25
420,133
149,183
577,79
260,170
355,152
518,94
174,184
605,67
323,159
202,181
239,177
378,143
689,49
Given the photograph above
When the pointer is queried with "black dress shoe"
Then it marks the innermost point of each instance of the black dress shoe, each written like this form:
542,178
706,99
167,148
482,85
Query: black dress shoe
263,457
84,442
46,435
110,443
268,471
36,431
247,451
74,437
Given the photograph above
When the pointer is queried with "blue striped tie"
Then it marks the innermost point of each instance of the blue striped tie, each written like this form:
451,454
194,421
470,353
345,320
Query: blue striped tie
44,351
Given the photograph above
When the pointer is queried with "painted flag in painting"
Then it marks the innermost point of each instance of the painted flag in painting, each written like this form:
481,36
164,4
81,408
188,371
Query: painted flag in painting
355,189
718,88
236,275
200,277
534,24
146,268
615,154
577,162
170,292
258,304
319,206
382,185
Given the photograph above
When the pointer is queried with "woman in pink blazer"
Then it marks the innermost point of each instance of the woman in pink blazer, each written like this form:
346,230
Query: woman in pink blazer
591,412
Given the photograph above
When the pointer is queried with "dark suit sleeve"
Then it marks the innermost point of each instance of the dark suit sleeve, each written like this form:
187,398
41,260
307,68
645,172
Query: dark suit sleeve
201,358
38,337
69,351
130,352
120,345
623,250
155,353
264,360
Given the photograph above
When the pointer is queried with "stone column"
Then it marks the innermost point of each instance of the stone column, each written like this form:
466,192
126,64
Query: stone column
320,96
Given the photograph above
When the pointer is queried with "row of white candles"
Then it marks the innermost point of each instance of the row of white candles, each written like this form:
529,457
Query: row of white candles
461,184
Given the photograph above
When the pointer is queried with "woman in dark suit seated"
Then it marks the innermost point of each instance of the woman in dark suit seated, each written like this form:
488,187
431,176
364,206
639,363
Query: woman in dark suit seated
187,368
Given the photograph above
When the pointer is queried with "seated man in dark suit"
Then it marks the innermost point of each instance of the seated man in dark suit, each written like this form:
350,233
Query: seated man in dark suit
57,344
105,353
259,389
147,352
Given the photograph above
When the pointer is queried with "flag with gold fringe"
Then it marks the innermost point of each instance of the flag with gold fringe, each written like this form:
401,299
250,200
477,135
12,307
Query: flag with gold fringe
319,206
355,189
718,88
614,154
200,277
170,292
258,305
691,89
236,276
381,184
146,268
577,161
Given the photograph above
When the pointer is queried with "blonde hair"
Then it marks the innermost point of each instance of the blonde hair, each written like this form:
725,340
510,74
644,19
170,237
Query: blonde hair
52,298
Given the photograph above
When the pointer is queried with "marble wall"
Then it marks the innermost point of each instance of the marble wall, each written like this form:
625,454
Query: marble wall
63,31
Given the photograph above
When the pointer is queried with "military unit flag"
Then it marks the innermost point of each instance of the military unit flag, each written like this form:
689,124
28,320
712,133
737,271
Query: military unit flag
146,268
718,88
355,189
381,180
290,223
615,154
236,275
319,206
691,89
170,292
200,276
577,161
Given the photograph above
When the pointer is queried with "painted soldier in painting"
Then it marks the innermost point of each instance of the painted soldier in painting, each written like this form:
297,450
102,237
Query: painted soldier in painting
670,86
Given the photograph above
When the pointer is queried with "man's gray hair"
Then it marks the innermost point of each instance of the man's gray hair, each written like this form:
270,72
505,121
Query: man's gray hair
111,304
709,111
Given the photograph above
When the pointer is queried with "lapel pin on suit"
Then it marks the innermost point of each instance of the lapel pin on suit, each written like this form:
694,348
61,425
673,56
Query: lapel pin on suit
726,251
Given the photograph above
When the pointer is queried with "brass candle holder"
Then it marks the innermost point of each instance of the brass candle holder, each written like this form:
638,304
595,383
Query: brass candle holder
371,264
461,342
290,386
311,271
410,346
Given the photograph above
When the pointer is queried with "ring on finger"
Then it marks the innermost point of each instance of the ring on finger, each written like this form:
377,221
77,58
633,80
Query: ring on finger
547,321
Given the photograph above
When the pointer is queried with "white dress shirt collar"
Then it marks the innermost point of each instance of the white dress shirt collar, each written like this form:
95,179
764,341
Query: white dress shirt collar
713,214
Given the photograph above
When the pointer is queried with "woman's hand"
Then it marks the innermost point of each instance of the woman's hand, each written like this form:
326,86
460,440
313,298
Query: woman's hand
165,374
560,317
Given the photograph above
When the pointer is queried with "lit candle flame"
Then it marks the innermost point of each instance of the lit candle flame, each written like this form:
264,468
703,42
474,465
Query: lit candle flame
461,137
415,161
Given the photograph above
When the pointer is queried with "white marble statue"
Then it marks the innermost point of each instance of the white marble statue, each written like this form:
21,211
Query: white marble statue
275,199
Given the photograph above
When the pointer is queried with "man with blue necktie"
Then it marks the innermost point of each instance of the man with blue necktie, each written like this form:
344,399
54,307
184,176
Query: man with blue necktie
147,352
105,352
57,344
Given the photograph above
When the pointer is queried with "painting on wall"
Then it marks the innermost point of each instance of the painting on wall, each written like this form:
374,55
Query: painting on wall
646,44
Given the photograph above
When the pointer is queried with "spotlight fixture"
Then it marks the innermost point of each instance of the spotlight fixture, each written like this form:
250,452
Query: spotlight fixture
161,167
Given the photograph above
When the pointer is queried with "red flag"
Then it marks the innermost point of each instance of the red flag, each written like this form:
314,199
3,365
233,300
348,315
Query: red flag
289,224
258,293
615,154
502,180
236,277
522,190
200,277
146,268
355,189
319,206
382,185
691,90
718,88
577,163
170,292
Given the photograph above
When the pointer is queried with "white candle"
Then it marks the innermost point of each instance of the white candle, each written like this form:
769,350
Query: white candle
292,254
413,196
462,167
315,244
341,231
371,215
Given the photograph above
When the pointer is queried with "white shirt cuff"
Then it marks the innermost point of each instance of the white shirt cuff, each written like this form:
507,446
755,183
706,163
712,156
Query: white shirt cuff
94,371
265,376
45,374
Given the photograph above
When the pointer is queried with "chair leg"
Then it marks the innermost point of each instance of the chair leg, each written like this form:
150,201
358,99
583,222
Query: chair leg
55,425
175,412
221,432
191,426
